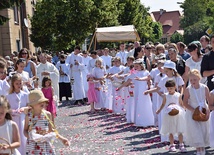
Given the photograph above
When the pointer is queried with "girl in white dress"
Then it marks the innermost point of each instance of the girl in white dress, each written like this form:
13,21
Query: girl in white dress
196,95
8,129
172,125
155,80
18,101
118,96
171,74
19,69
129,99
99,73
143,115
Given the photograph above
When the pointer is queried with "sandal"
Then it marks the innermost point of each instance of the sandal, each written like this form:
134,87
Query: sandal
182,148
172,148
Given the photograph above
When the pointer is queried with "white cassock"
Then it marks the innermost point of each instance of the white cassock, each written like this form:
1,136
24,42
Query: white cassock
123,56
54,75
85,72
76,72
107,61
67,62
92,62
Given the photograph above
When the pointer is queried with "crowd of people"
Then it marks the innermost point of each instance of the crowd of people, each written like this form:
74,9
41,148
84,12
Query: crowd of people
152,85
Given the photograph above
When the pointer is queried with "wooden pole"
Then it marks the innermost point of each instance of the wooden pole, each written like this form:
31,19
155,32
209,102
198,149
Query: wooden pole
95,43
91,42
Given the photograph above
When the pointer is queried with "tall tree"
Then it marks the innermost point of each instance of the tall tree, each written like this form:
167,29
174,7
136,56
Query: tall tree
57,23
133,12
198,17
193,12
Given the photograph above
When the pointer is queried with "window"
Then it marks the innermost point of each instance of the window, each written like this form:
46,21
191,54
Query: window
163,40
18,44
16,14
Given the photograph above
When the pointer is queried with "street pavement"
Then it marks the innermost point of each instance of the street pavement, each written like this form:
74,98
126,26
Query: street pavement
105,134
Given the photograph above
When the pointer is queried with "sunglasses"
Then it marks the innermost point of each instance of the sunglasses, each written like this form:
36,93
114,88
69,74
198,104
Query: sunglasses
24,53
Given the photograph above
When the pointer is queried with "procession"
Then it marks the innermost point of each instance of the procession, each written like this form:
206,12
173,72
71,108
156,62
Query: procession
80,78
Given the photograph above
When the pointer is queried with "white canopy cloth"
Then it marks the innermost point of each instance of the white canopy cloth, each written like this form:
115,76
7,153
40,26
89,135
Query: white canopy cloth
117,33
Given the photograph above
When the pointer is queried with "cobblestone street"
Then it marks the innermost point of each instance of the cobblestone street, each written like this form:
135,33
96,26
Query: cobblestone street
102,133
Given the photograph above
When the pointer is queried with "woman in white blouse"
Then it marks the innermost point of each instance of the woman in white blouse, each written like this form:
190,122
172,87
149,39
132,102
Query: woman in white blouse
194,62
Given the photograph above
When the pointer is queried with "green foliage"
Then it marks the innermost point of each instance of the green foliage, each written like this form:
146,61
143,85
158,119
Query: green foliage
176,37
198,17
133,12
157,31
57,23
195,31
193,11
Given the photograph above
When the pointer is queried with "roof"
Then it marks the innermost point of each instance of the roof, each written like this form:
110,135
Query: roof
117,33
169,20
180,31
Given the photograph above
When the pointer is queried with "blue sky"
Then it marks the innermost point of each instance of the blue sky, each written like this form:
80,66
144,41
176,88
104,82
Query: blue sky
156,5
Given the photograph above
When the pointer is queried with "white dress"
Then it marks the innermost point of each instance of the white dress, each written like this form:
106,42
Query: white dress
6,132
212,126
100,89
197,132
173,124
17,101
153,73
118,96
161,84
143,105
129,99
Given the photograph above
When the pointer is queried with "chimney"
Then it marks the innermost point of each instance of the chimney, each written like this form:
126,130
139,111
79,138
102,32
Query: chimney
162,11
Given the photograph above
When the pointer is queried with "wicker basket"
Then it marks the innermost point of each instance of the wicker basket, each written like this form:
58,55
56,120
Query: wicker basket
173,112
200,115
11,150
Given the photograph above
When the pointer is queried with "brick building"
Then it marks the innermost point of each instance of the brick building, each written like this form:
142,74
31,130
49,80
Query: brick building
14,34
170,22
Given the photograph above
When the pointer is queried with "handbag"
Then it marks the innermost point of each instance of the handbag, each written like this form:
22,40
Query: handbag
200,113
173,109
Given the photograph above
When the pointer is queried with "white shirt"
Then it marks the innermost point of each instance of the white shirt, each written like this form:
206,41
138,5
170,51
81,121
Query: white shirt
107,60
65,68
92,62
122,56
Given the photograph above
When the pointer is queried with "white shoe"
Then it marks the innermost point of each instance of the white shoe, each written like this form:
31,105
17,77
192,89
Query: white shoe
203,152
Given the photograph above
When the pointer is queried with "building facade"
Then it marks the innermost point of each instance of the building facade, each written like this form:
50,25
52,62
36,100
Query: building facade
170,22
14,34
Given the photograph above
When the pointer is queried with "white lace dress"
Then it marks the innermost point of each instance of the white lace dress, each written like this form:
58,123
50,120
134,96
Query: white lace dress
197,133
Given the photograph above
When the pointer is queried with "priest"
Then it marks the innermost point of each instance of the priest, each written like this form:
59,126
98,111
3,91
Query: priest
46,68
75,61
